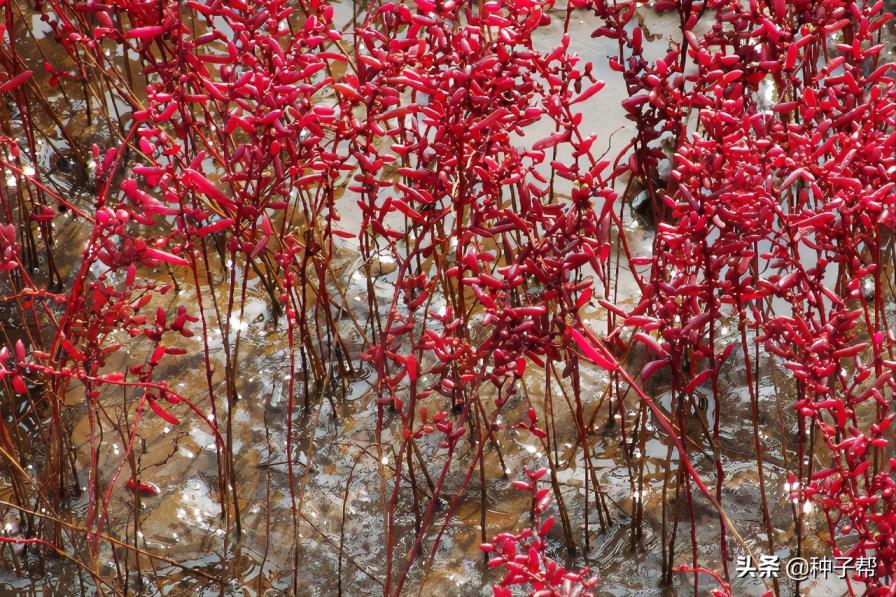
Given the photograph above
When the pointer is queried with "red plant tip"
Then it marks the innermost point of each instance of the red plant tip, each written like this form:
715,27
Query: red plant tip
144,488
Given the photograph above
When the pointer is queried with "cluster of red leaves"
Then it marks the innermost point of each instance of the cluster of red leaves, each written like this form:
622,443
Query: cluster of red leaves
523,555
248,138
258,114
777,215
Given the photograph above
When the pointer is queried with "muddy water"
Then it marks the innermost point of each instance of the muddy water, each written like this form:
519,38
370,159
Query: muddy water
338,460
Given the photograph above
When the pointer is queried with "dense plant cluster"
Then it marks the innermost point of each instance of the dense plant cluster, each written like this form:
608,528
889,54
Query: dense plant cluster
523,555
777,217
241,133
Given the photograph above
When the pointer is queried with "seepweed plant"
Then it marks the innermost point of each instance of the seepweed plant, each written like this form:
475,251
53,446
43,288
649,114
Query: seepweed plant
237,130
776,218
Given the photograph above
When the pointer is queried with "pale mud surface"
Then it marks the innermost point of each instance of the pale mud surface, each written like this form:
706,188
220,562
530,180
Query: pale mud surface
341,467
